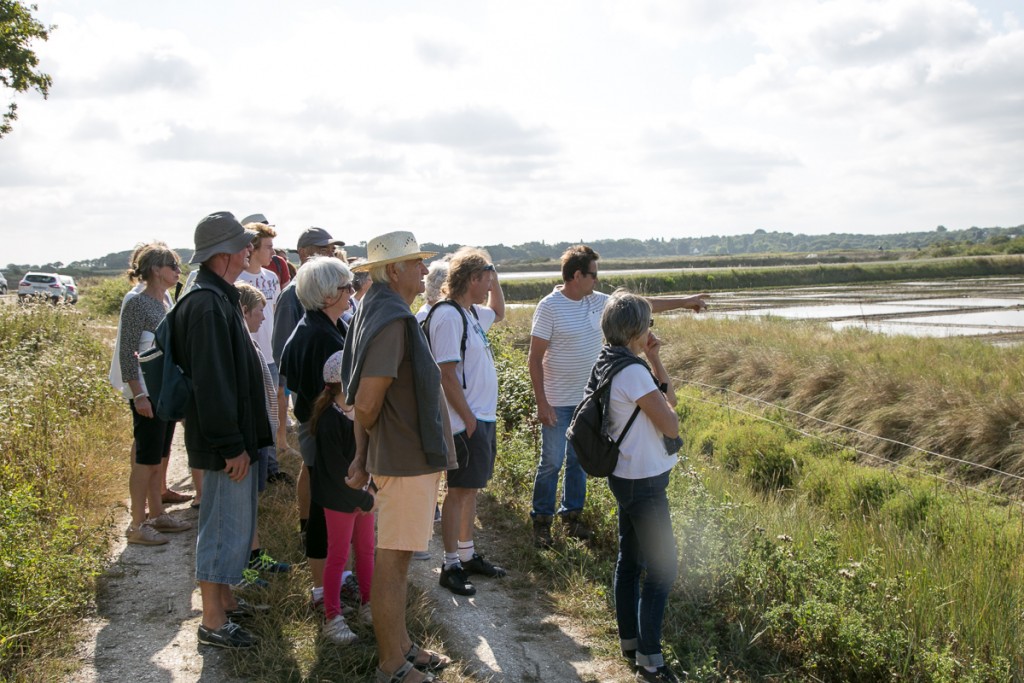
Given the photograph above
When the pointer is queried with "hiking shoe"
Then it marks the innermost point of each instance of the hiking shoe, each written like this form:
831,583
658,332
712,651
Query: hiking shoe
542,531
478,565
144,534
167,524
338,632
350,589
262,561
575,528
281,478
662,674
246,609
455,580
230,635
366,614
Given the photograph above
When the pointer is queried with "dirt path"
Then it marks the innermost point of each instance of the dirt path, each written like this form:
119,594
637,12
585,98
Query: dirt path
148,610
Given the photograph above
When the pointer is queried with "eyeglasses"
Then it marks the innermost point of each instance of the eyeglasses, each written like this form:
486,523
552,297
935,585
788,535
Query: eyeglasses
347,288
651,323
591,273
173,264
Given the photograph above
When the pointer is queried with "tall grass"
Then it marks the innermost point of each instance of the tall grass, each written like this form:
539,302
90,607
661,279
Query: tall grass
798,561
63,439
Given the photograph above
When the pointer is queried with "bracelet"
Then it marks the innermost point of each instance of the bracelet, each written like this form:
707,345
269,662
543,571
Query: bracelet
663,387
140,395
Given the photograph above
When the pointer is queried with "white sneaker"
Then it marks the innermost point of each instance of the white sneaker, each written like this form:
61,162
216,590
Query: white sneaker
338,632
366,614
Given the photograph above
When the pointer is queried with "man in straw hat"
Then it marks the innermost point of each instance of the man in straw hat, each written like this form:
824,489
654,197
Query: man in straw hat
403,439
226,421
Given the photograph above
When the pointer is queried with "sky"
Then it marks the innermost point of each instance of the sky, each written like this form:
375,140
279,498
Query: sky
490,122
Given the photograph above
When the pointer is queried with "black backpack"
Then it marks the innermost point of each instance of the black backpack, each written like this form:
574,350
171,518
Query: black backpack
425,326
597,453
168,386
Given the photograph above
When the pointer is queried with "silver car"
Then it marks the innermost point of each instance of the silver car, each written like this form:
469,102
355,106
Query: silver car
70,289
3,284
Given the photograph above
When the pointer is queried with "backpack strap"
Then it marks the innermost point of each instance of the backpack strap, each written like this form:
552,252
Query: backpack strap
465,329
618,441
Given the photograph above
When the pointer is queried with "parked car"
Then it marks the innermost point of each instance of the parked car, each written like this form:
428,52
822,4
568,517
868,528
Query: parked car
71,289
47,285
3,284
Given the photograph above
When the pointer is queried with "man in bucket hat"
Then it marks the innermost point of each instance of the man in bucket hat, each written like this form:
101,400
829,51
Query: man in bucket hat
226,421
403,439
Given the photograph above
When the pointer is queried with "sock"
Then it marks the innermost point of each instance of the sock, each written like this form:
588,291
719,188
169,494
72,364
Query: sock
651,669
451,559
466,550
318,594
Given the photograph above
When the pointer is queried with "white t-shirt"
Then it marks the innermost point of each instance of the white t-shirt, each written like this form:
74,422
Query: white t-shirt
421,314
573,332
642,453
481,376
267,282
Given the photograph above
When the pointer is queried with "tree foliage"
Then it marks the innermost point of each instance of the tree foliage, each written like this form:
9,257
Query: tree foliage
18,62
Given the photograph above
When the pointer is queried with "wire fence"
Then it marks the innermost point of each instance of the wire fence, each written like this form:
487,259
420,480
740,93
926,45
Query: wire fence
852,430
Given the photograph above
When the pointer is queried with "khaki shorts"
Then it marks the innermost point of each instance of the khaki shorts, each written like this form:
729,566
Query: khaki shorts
405,511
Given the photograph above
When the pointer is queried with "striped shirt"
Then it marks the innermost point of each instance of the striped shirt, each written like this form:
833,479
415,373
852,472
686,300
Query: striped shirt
573,332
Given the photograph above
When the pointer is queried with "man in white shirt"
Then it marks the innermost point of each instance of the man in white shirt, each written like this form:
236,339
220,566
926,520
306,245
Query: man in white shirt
565,341
457,331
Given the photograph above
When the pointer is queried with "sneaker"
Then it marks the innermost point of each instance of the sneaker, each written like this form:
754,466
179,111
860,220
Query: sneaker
542,531
455,580
338,632
421,555
245,610
263,562
350,589
281,478
145,535
366,614
662,674
478,565
230,635
167,524
575,528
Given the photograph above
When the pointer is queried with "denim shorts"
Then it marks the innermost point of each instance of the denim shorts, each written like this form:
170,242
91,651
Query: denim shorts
227,521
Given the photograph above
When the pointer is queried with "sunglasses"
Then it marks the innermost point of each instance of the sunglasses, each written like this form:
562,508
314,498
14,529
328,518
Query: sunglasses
173,264
489,266
592,274
347,288
651,323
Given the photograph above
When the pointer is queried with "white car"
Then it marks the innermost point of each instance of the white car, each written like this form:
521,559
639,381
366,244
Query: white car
70,289
46,285
3,284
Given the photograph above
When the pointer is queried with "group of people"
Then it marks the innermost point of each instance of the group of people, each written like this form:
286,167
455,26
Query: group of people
387,403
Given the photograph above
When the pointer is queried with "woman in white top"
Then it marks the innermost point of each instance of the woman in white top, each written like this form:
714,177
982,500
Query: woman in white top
647,563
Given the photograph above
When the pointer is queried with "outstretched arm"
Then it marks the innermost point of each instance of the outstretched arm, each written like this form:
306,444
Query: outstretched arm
695,302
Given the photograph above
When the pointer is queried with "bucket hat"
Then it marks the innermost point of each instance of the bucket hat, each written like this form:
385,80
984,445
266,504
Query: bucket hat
392,247
219,233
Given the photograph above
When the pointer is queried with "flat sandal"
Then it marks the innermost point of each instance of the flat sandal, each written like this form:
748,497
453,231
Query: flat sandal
437,662
401,673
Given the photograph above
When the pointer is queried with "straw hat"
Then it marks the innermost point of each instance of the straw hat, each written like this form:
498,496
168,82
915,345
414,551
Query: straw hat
392,248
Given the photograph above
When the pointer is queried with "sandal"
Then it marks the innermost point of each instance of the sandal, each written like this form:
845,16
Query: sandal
435,663
401,673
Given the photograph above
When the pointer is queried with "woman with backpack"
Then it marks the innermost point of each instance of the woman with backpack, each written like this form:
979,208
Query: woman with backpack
647,454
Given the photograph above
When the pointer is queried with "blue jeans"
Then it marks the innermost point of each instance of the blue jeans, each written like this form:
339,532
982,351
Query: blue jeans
227,521
646,542
555,449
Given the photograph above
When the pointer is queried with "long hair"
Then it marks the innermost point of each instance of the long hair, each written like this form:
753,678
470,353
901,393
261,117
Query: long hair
322,403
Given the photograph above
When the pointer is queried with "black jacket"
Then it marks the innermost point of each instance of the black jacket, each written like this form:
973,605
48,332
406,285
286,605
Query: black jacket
227,413
314,340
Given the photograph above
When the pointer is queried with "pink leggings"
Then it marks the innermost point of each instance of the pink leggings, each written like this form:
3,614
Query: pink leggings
344,529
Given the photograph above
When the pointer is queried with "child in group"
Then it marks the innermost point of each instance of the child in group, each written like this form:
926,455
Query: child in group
350,521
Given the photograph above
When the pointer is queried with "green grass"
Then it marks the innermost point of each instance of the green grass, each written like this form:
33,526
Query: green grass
63,437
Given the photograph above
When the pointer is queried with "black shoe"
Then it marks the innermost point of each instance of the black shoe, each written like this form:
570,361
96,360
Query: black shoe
663,674
542,531
575,528
230,635
245,610
478,565
281,478
456,581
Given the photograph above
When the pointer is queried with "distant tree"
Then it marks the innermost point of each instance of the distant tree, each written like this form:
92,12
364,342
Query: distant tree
941,228
18,62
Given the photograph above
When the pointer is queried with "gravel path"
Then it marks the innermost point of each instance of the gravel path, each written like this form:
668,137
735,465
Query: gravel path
148,610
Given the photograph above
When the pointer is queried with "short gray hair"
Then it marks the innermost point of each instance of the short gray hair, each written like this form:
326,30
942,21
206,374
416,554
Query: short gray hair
437,273
380,273
625,317
318,280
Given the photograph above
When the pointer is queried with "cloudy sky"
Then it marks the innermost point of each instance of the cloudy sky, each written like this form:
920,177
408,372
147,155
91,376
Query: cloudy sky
482,122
